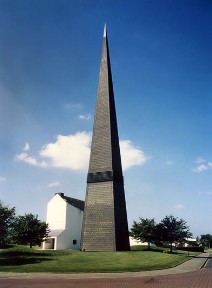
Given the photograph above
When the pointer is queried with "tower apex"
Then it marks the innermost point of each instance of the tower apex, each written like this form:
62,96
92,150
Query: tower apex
105,31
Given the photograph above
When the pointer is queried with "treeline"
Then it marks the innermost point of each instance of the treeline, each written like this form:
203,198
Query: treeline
24,230
170,230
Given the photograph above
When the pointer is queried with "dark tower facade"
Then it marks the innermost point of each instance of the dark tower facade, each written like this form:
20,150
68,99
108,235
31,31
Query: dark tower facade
105,226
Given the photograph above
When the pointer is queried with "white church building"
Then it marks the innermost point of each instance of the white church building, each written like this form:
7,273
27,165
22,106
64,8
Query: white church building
64,217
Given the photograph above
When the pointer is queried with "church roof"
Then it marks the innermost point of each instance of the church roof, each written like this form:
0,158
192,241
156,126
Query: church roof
79,204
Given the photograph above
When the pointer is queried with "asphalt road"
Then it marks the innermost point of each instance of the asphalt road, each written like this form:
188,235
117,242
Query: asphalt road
209,265
197,279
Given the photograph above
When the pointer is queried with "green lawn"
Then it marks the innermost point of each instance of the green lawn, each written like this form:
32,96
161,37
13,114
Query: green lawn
24,259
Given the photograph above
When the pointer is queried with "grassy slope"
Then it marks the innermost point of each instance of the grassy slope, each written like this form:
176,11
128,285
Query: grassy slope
24,259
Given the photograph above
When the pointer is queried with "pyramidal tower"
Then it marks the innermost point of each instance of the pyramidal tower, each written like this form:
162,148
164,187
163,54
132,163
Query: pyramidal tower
105,226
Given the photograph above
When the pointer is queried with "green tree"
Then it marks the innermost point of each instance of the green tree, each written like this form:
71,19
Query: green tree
29,230
206,240
171,230
7,216
143,230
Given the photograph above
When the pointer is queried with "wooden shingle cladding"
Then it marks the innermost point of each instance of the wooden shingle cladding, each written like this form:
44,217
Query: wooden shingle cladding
105,226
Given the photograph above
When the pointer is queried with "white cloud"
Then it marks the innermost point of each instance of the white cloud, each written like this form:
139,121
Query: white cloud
209,164
199,160
131,155
84,117
2,179
54,184
179,206
71,152
26,147
73,106
200,168
24,157
203,165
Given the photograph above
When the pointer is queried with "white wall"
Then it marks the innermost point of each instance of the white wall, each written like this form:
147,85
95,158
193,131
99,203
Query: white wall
134,242
62,242
61,215
74,219
56,213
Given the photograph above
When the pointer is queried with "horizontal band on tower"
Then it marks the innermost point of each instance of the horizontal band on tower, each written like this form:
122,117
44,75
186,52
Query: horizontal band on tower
104,177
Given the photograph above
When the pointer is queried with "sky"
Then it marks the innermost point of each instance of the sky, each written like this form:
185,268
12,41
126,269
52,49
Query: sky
161,59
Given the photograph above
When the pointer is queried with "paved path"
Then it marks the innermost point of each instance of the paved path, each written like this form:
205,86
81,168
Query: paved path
186,275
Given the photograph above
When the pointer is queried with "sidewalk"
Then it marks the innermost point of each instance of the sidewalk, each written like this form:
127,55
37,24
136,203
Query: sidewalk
191,265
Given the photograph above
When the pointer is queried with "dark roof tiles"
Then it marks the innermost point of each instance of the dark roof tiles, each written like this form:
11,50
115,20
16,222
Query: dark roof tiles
79,204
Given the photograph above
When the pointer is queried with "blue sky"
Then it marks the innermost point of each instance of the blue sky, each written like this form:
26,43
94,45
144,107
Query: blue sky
161,58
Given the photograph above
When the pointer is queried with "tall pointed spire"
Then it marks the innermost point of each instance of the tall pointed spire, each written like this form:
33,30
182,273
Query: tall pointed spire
105,225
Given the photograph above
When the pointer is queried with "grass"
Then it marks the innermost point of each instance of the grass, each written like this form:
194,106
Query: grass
24,259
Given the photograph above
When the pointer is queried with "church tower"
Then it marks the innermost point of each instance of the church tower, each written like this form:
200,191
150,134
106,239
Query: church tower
105,226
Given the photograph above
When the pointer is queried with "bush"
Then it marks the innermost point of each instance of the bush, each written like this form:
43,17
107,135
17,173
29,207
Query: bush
191,249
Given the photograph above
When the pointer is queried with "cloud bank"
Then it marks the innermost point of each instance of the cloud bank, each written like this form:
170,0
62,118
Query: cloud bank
131,155
73,152
25,157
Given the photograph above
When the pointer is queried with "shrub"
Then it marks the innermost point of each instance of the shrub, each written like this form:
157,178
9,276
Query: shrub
191,249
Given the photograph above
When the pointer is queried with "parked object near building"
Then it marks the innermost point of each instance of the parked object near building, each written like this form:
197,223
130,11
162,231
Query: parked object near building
190,242
64,217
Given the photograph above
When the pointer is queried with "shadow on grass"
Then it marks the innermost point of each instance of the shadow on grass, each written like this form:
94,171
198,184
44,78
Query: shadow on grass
19,253
147,250
18,257
11,261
